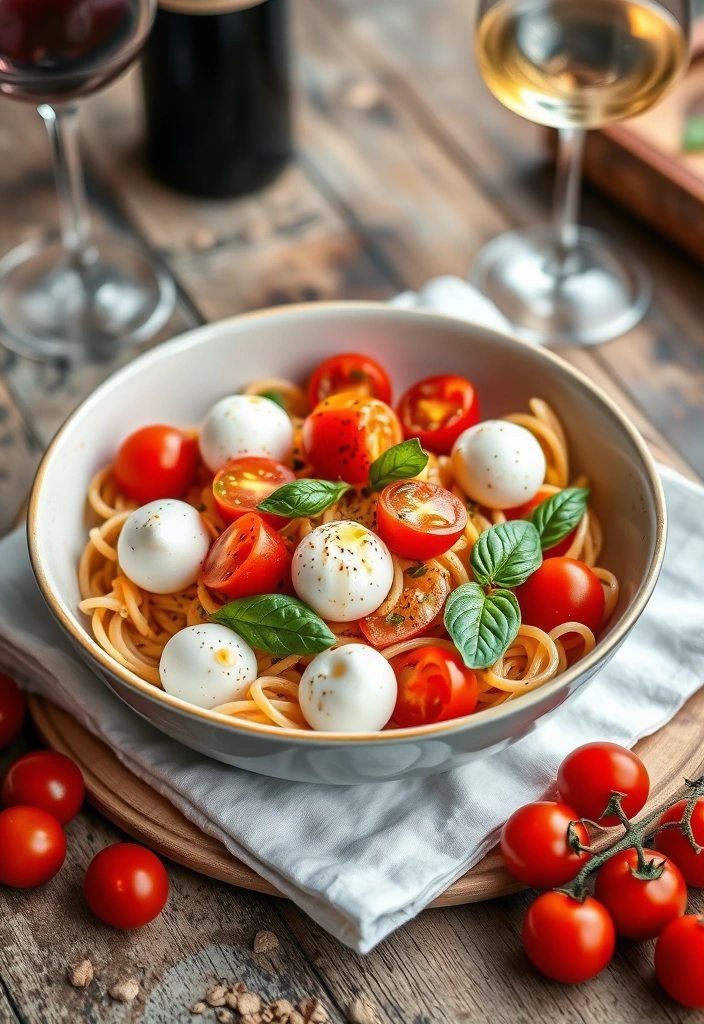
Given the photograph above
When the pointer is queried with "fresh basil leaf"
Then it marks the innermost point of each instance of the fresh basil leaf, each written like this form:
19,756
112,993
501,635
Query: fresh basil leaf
506,554
482,626
277,624
303,498
558,515
402,462
276,397
416,571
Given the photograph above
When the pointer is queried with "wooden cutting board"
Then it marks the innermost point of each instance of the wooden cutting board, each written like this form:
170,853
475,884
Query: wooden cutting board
672,754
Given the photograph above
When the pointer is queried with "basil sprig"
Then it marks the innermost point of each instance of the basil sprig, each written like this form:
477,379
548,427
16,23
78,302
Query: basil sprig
303,498
483,621
506,555
482,625
277,624
558,515
402,462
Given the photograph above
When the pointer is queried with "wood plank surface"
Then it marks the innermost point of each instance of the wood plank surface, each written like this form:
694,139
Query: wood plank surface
406,167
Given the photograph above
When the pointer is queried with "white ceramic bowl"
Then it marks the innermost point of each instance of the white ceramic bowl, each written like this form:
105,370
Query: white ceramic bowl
178,381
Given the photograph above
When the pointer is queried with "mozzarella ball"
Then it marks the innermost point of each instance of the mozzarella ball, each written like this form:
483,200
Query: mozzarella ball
163,545
351,689
498,464
342,570
245,425
207,665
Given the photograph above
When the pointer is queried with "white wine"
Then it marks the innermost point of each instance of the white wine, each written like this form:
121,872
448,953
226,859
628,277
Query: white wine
579,63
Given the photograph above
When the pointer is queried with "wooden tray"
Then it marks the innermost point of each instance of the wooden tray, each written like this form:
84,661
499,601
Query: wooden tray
673,753
642,165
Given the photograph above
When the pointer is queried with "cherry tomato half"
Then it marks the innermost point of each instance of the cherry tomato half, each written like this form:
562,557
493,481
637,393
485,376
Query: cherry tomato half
566,940
590,774
418,519
534,845
32,846
674,844
248,558
640,909
242,483
46,779
346,433
351,372
679,955
12,710
156,462
434,685
524,512
562,590
437,410
425,590
126,885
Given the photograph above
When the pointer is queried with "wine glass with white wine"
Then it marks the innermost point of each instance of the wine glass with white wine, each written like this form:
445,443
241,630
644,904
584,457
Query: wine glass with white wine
573,65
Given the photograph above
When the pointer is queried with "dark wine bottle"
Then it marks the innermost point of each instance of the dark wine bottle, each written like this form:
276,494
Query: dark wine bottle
217,95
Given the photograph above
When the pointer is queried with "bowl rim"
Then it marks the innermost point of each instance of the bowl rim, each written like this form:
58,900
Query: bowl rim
200,335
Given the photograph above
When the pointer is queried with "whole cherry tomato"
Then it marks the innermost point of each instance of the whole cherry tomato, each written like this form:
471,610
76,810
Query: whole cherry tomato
248,558
156,462
534,844
590,774
12,710
351,372
566,940
562,590
674,844
434,685
425,589
242,483
32,847
346,433
126,885
46,779
679,955
524,512
437,410
418,519
640,909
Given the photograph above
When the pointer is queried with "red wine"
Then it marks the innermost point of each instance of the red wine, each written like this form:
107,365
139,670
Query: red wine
217,95
57,49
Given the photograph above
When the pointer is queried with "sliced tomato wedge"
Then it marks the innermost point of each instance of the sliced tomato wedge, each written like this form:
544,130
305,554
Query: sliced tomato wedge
425,590
248,558
418,519
349,372
437,410
345,433
524,511
242,483
434,685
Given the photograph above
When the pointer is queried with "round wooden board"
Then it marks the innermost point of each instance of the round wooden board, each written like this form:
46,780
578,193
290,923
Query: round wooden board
672,754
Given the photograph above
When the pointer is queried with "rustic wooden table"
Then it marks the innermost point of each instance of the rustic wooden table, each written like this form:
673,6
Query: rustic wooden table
406,166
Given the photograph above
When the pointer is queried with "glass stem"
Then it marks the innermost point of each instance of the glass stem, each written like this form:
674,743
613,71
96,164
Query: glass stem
568,180
61,123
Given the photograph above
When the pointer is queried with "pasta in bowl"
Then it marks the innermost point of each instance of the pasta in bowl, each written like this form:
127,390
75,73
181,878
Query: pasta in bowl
348,566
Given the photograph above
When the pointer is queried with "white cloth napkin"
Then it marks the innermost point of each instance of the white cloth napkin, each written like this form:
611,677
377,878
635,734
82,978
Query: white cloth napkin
361,861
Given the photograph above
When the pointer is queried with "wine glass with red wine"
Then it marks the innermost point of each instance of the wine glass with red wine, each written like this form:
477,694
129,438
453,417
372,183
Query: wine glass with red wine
78,293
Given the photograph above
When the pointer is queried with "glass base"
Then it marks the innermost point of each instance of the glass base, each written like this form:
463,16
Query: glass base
52,307
594,295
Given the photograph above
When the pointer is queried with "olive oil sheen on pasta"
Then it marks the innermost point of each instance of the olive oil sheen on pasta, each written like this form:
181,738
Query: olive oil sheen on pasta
579,63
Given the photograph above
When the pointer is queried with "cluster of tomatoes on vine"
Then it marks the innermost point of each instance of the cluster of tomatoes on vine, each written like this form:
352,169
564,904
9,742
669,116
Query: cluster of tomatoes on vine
125,885
640,892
